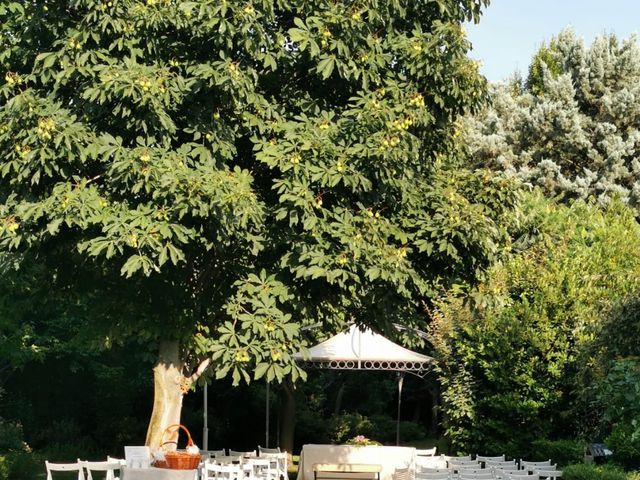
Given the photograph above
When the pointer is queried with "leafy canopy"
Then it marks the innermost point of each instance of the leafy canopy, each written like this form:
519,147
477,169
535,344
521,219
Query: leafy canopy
223,172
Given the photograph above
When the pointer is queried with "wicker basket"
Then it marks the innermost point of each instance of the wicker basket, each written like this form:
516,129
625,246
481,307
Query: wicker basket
179,460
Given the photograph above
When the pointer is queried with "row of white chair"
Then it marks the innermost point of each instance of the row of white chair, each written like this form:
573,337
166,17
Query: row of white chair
107,468
490,475
271,464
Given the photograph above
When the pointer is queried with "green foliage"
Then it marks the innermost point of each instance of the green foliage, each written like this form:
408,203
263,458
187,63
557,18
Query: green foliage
11,436
619,398
595,472
546,58
4,467
573,130
381,428
514,352
20,465
222,173
563,452
624,443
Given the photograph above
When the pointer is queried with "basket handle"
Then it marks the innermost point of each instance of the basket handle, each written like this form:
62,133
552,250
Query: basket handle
180,426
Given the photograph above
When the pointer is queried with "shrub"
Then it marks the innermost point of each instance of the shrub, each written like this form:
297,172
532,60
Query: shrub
4,467
10,436
562,452
24,465
592,472
625,444
376,427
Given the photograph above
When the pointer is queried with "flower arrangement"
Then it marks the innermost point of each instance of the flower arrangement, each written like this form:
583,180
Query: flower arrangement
361,440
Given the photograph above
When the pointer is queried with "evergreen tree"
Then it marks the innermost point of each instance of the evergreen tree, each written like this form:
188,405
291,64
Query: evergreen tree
573,128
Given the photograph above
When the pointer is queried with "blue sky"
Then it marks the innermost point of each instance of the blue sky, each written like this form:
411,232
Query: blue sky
510,31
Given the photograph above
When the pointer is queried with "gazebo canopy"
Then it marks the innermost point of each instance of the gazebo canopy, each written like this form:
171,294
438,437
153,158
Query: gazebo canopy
358,349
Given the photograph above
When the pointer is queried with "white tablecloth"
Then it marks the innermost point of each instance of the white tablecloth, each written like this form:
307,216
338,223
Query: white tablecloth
389,458
157,474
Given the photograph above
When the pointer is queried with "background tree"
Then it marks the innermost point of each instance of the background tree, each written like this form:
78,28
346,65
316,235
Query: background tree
210,176
517,355
573,127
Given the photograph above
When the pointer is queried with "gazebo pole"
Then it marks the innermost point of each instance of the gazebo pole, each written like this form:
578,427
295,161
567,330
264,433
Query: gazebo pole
205,429
400,381
266,439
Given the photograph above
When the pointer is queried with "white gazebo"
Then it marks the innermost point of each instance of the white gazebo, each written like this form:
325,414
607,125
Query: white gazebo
362,349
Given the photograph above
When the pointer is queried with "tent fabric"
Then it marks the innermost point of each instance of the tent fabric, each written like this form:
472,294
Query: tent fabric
358,349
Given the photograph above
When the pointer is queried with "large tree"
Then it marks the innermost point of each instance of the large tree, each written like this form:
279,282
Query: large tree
212,175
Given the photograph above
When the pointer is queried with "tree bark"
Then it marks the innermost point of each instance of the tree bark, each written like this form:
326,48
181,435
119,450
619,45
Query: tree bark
168,383
287,418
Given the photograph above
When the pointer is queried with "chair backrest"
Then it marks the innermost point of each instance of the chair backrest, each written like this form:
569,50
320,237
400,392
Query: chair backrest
520,476
262,450
108,467
509,471
433,470
213,453
427,452
481,458
464,465
64,467
401,474
236,453
547,473
122,461
477,475
137,456
510,464
527,463
433,475
545,467
473,471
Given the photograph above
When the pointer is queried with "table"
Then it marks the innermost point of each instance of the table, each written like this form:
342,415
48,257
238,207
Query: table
157,474
389,458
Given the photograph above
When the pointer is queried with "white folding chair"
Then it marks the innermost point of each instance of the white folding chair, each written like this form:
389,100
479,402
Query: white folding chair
63,467
137,456
121,461
426,452
108,468
262,450
236,453
549,474
530,466
261,468
279,462
214,471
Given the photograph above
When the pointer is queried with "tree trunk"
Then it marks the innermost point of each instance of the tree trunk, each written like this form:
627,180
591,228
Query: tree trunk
167,395
287,418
